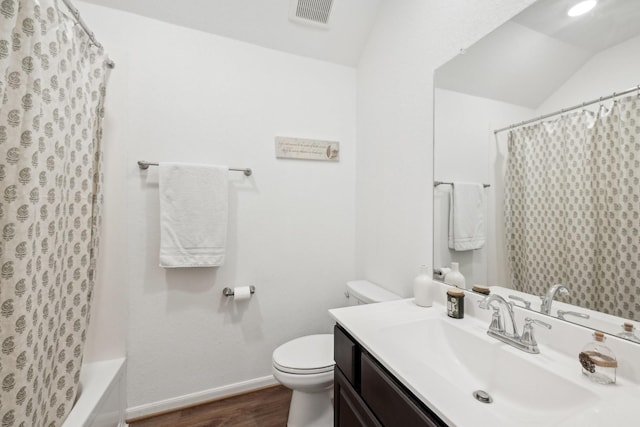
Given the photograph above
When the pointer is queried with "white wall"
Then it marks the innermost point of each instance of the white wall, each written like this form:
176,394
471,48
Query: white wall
465,150
612,70
194,97
395,128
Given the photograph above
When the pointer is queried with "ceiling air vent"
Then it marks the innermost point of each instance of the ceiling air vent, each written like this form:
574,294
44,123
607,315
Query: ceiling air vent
311,12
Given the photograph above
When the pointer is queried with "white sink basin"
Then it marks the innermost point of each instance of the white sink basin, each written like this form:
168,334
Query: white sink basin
467,359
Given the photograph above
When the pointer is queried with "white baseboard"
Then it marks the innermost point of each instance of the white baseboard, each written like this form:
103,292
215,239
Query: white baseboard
199,397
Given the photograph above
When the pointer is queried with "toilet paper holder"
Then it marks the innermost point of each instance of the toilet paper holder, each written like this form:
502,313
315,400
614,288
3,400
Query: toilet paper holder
228,292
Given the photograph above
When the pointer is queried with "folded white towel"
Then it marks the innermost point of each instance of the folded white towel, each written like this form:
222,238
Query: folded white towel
466,216
193,215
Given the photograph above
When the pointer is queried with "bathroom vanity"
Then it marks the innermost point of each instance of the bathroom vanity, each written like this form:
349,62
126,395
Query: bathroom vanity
366,394
398,364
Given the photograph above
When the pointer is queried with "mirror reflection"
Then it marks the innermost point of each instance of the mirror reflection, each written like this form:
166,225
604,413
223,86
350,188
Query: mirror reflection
537,163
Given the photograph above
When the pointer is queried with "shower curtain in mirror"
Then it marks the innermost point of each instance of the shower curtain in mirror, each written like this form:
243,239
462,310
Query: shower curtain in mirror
52,85
572,207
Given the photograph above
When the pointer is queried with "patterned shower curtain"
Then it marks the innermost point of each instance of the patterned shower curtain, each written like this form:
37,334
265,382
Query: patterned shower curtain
572,207
52,86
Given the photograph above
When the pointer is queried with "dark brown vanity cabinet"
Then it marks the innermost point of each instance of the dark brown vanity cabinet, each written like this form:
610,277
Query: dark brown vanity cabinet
367,395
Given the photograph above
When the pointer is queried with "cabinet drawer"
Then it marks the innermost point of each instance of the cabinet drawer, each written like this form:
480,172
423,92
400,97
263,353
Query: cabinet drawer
393,406
349,408
345,354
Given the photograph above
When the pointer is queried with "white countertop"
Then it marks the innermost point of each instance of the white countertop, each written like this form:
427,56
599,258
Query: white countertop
611,405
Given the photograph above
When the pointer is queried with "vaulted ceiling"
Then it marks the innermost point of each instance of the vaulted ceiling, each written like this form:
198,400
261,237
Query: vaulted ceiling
266,23
542,46
528,58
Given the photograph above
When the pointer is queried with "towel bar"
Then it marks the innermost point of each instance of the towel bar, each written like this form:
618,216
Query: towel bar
436,183
143,164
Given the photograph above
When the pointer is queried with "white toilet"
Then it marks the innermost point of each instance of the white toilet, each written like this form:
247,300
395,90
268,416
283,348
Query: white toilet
305,365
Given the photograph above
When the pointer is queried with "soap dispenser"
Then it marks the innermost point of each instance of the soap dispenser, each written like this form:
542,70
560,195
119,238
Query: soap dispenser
628,333
454,277
423,288
598,362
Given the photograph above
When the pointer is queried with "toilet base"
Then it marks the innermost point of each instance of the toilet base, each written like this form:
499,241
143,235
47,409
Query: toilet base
311,409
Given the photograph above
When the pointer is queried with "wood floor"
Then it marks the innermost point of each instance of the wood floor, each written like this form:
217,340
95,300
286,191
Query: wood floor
263,408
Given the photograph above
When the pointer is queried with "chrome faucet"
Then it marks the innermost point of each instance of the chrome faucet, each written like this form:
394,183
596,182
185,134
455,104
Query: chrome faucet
526,341
547,299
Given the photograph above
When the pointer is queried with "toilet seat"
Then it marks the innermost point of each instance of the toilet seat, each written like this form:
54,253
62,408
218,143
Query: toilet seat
312,354
288,370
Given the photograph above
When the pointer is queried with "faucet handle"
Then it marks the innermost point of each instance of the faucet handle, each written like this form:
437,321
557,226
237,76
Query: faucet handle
563,313
497,324
528,321
527,304
484,303
528,338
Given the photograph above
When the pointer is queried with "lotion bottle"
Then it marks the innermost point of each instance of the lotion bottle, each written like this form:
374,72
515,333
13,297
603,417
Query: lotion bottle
454,277
423,288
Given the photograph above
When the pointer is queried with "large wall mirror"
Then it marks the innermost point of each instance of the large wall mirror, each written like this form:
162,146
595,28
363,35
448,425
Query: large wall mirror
560,202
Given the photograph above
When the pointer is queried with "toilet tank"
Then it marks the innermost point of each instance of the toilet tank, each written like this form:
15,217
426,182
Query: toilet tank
365,292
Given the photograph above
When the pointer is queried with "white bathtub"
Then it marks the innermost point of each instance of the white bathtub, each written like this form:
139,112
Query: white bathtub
102,396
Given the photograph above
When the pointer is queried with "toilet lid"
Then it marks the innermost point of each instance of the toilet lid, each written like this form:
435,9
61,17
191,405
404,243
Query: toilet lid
306,355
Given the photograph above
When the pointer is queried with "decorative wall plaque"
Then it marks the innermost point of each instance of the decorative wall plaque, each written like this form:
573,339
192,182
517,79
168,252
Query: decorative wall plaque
307,149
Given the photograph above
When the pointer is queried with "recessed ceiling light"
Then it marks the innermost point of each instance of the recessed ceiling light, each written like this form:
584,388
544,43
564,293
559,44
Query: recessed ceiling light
582,8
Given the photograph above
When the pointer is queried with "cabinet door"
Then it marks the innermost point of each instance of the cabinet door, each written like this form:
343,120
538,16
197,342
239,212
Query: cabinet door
392,404
346,356
349,409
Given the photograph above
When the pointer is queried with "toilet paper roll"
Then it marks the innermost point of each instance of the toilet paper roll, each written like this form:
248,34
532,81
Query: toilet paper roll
241,293
444,271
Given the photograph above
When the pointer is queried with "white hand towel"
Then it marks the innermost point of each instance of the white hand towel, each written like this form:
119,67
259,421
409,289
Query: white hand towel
466,216
193,215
